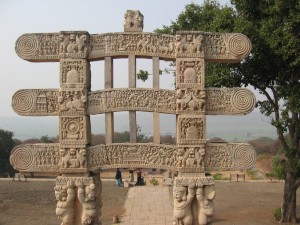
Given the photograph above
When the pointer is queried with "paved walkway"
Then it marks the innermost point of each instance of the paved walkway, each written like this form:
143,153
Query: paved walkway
148,206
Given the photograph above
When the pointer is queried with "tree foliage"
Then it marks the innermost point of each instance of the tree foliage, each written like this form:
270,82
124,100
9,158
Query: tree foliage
6,145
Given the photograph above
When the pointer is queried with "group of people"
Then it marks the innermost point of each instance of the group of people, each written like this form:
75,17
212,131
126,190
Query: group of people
140,179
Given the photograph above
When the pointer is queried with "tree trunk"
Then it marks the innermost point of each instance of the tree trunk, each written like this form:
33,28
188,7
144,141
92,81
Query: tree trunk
288,209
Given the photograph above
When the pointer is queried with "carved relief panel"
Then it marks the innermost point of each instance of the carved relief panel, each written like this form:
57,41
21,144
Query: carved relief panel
74,131
191,101
191,158
72,102
191,129
189,45
73,160
153,100
190,73
74,73
73,44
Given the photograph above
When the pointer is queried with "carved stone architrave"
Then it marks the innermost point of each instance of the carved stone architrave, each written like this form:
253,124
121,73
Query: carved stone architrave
74,131
53,158
36,102
125,99
218,101
191,129
133,155
190,73
72,102
75,73
79,199
220,47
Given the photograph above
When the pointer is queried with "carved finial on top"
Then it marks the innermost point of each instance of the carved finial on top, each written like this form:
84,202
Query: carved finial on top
133,21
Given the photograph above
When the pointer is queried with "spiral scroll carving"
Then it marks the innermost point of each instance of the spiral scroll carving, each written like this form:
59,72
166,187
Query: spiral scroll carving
239,45
244,156
22,158
27,45
23,101
243,100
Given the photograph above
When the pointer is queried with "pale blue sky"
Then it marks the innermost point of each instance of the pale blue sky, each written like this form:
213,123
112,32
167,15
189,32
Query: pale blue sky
95,16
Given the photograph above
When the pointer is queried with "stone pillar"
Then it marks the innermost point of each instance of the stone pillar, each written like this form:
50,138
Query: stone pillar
109,117
156,121
78,193
191,186
132,84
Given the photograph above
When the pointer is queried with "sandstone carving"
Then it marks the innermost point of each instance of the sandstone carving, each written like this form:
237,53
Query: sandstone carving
220,47
65,196
78,189
183,198
133,21
190,73
52,158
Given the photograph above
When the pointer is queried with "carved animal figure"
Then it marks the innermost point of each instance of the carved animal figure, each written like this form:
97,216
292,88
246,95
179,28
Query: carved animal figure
81,156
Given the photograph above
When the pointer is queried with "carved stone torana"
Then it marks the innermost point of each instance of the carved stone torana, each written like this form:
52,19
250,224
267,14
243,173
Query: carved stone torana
190,73
221,47
133,21
86,191
77,190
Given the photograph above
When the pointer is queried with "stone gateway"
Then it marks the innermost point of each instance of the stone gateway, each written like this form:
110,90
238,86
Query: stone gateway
77,162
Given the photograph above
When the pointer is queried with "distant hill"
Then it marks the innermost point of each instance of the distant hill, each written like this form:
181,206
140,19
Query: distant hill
238,128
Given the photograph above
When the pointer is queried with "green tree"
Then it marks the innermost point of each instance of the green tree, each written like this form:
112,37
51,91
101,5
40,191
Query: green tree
6,145
272,68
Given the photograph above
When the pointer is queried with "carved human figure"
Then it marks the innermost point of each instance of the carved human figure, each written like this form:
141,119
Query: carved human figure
191,159
72,47
206,208
65,196
87,197
179,44
183,197
62,44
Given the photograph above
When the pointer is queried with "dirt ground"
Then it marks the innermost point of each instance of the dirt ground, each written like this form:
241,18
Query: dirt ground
243,203
33,202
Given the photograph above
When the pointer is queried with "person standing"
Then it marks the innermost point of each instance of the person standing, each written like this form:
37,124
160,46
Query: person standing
139,178
118,178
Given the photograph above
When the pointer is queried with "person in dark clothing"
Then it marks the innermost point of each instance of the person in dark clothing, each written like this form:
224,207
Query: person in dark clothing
140,180
118,178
